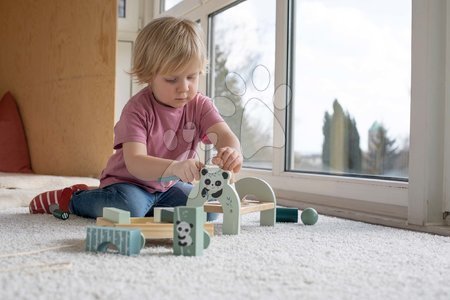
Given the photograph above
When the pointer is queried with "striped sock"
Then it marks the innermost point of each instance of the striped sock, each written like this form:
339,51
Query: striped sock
41,203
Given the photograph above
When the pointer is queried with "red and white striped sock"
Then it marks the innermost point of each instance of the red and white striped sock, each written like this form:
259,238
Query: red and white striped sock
41,203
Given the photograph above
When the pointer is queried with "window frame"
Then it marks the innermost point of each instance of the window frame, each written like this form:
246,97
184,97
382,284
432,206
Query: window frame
419,202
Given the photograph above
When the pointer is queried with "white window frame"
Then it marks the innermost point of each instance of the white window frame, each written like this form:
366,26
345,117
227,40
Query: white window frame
413,204
429,149
137,13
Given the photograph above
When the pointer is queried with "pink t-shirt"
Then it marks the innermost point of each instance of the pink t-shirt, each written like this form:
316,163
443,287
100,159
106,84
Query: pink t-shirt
171,133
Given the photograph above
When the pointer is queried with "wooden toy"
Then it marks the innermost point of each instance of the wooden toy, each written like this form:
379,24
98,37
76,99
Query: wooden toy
217,195
57,213
116,215
163,214
189,236
309,216
63,215
127,241
265,200
287,214
149,228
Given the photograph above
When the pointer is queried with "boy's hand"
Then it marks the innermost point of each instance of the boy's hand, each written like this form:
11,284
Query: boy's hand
187,170
229,159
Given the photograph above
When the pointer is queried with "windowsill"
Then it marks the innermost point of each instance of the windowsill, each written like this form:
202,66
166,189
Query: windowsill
329,189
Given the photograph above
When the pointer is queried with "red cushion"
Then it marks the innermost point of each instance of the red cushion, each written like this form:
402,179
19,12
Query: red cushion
14,155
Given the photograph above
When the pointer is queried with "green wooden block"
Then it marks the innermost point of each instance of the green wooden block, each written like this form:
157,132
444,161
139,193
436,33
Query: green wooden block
189,236
163,214
63,215
287,214
127,241
263,192
116,215
231,206
214,185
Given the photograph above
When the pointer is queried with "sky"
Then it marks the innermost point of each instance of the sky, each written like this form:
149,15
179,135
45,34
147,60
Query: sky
355,51
359,53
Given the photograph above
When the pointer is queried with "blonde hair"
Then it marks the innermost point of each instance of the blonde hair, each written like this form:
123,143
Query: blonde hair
166,45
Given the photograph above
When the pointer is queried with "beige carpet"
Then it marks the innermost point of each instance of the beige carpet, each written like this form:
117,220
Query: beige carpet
42,257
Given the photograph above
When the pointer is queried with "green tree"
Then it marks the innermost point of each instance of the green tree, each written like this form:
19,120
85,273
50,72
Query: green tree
326,130
382,152
340,150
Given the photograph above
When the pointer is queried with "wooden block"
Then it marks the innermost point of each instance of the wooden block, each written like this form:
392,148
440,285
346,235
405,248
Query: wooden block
149,228
246,206
63,215
263,192
163,214
215,185
116,215
189,237
287,214
217,194
127,241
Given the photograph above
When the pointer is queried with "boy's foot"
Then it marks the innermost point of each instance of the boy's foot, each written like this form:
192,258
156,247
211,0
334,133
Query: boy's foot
42,202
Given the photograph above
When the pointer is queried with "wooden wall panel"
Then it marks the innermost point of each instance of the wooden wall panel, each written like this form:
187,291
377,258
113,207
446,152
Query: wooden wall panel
57,57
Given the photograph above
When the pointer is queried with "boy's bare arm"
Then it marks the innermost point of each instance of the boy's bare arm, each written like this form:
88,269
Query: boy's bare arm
229,156
145,167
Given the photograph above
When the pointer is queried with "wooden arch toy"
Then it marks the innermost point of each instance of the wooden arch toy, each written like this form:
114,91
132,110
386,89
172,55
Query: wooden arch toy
217,194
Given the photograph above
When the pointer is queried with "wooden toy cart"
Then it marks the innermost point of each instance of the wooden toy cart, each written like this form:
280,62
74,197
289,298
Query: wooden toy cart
149,228
217,195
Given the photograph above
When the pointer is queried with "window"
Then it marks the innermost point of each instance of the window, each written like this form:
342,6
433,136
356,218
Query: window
242,75
168,4
351,85
121,8
313,77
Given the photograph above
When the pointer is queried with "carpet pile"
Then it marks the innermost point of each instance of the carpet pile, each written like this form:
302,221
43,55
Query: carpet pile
42,257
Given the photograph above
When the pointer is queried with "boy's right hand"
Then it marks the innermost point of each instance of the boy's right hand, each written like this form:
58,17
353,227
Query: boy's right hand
187,170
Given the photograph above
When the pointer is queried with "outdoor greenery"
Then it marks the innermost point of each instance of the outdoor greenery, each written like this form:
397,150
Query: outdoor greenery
341,150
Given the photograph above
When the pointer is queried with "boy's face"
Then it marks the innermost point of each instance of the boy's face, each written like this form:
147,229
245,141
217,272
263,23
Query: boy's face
175,90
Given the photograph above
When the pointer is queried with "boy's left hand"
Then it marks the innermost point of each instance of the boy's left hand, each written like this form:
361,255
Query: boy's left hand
229,159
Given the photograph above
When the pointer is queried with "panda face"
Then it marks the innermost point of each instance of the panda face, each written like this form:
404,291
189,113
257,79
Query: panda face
212,184
214,181
183,228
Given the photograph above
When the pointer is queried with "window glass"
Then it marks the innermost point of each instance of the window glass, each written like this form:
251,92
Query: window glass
242,83
121,8
351,88
168,4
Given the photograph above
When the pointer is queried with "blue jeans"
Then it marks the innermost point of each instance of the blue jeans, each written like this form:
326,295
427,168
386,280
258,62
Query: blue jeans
127,196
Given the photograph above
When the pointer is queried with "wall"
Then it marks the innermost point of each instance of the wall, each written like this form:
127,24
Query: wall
57,57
